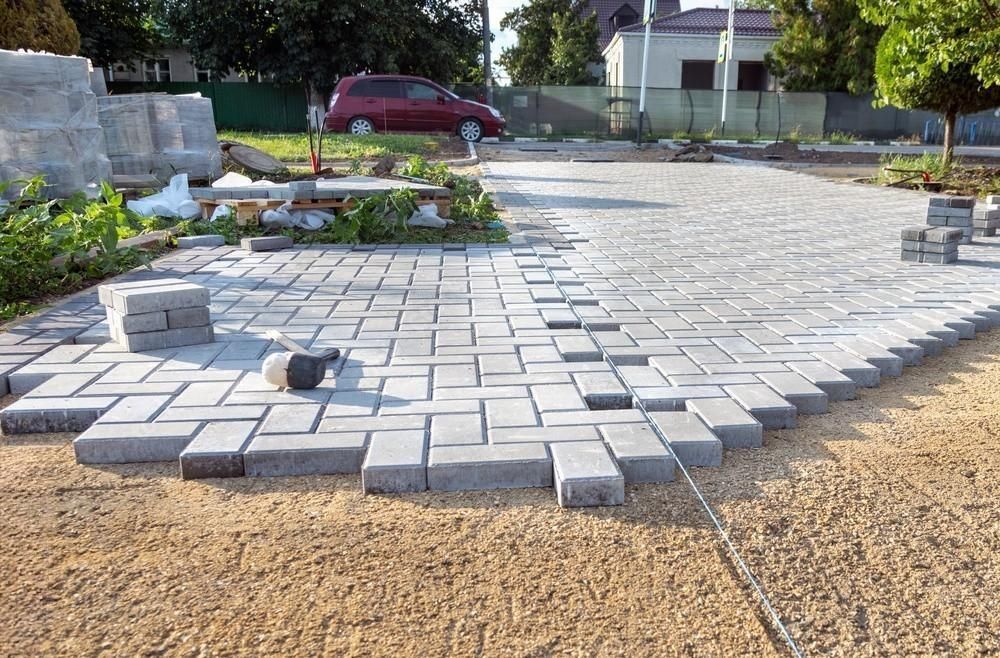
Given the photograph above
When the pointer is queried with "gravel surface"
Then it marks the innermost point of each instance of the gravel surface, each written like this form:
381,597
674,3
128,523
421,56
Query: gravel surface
874,529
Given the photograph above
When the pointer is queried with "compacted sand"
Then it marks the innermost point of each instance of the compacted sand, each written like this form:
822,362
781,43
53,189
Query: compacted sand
874,529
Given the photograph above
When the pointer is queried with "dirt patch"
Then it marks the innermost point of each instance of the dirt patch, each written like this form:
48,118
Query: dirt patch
561,152
874,529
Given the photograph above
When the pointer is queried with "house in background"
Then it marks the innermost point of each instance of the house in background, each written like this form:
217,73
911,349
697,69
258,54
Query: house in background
167,65
615,15
684,47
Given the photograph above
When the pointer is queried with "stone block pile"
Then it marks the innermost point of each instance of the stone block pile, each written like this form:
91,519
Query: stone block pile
157,314
952,212
986,218
931,244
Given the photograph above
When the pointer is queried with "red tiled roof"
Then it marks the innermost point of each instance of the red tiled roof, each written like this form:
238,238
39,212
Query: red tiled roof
607,8
746,22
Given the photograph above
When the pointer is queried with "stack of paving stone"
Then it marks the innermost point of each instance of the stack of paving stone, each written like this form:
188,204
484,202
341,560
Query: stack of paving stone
953,212
931,244
986,218
157,314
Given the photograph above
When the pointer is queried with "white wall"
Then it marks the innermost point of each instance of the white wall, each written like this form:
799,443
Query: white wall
667,51
181,68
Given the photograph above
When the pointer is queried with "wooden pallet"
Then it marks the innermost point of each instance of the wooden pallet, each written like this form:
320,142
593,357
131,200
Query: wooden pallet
248,210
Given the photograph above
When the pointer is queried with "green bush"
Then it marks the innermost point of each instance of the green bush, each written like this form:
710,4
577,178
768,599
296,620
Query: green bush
38,25
469,203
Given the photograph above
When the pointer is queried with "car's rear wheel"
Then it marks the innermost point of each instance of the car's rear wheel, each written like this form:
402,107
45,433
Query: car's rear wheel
360,126
470,130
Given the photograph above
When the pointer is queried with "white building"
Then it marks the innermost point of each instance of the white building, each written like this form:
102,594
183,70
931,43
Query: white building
167,65
684,47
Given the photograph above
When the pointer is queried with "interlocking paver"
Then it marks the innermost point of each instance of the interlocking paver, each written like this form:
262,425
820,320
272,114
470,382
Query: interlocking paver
746,289
585,475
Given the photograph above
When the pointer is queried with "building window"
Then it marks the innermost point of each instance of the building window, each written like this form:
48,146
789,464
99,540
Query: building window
752,77
623,17
697,74
203,75
157,70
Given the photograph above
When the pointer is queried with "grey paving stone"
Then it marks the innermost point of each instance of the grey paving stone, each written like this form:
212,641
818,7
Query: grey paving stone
770,409
266,243
159,340
128,443
912,355
796,389
931,345
948,337
860,371
183,318
535,434
137,322
835,384
729,422
640,454
691,441
586,475
458,429
602,390
191,241
396,462
305,454
452,468
135,300
674,398
40,415
216,451
578,348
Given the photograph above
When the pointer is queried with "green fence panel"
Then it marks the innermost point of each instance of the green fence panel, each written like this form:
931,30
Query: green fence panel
238,105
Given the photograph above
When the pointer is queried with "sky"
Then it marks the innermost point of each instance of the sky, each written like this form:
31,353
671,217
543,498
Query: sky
507,38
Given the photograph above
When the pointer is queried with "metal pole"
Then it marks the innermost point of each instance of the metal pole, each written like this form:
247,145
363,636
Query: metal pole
650,11
729,56
487,64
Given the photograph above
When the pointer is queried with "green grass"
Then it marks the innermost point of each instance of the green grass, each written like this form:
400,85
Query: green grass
930,162
294,147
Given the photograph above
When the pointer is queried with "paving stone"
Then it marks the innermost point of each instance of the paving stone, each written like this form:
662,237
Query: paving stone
266,243
305,454
137,322
859,370
159,340
691,441
557,397
396,462
586,475
889,364
578,348
729,422
534,434
457,429
912,355
41,415
602,390
770,409
452,468
138,300
835,384
796,389
128,443
191,241
216,451
640,454
183,318
674,398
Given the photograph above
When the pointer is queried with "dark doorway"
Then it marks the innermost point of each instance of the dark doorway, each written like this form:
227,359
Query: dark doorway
752,77
697,74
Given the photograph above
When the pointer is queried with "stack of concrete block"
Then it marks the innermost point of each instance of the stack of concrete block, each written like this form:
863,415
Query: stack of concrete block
953,212
986,217
931,244
157,314
48,124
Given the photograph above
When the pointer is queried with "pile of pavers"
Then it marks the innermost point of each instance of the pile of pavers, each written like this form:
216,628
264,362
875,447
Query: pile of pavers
953,212
931,244
986,218
157,314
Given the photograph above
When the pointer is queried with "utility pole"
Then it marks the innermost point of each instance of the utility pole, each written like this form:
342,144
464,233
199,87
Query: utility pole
487,64
730,37
648,14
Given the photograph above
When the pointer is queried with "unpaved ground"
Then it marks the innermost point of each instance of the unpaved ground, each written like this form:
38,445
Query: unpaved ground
565,152
874,529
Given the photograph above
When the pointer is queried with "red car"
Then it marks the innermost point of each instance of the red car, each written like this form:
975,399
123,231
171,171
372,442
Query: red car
362,105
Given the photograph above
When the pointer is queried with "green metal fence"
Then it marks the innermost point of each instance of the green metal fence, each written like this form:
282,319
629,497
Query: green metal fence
238,105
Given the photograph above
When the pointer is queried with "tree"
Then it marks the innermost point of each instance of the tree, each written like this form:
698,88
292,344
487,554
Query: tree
555,43
755,4
114,30
41,25
315,43
928,64
825,45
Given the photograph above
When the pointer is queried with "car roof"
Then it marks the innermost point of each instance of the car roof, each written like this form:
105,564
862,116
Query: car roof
384,76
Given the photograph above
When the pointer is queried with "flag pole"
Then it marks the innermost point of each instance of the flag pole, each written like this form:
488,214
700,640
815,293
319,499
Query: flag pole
729,56
650,9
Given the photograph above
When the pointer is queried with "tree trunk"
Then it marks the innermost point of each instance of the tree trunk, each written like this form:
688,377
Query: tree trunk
949,138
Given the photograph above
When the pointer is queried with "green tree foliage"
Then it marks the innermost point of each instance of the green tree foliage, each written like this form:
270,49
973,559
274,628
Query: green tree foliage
41,25
114,30
555,43
755,4
825,45
927,63
315,42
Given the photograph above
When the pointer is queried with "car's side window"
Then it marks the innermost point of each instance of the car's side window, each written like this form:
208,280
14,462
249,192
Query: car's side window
359,88
419,92
384,89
